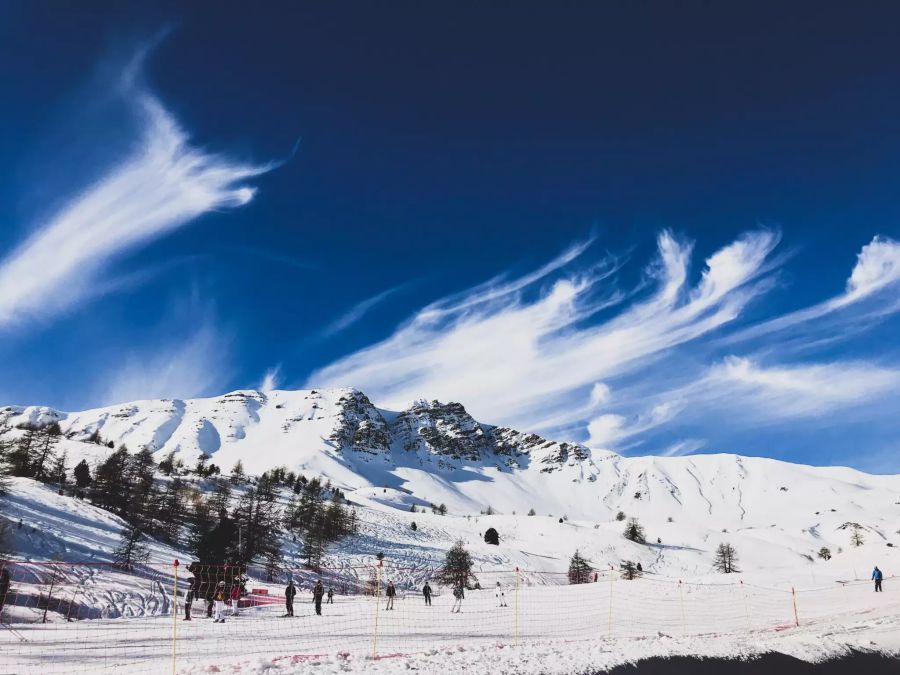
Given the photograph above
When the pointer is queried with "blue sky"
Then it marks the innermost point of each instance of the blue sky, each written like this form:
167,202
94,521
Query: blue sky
653,230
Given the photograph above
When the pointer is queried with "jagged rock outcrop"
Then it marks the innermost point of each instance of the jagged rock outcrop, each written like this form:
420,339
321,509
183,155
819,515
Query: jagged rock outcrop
552,455
360,427
443,429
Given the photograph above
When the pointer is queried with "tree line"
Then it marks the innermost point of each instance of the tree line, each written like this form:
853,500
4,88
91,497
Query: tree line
234,520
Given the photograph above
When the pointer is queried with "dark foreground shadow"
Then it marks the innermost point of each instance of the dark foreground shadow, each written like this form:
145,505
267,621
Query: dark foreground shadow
768,664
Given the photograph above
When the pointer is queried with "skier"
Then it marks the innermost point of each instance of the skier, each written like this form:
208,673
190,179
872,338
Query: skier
330,597
4,587
235,597
219,599
877,576
189,598
458,595
390,593
501,596
289,594
318,592
426,591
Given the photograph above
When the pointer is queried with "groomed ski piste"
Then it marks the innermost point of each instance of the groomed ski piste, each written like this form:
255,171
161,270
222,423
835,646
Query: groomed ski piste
107,620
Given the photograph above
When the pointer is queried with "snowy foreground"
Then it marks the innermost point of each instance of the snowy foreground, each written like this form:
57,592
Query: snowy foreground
544,629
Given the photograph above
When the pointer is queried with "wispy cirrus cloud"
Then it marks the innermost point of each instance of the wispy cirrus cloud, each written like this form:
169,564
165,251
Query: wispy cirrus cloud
573,355
271,380
358,311
749,394
517,359
162,185
877,269
186,364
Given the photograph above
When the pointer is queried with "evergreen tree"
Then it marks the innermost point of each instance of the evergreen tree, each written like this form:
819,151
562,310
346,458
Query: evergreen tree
579,569
167,464
82,475
237,472
825,553
44,454
58,472
5,451
200,468
457,570
216,545
726,559
110,489
629,570
20,459
491,537
259,517
171,512
620,516
131,550
856,537
634,531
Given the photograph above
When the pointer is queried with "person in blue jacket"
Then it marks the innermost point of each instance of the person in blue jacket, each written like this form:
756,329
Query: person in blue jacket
877,576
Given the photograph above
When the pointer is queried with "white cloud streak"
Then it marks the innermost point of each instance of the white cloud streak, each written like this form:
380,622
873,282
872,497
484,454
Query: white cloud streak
877,269
164,184
357,312
513,359
271,380
184,368
750,394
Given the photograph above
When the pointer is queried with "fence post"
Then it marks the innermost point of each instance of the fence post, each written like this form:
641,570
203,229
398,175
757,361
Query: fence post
174,615
794,598
746,606
377,603
517,606
683,618
612,582
49,593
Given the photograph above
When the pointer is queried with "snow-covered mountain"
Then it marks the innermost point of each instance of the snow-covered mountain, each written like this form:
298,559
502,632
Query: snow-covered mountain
777,513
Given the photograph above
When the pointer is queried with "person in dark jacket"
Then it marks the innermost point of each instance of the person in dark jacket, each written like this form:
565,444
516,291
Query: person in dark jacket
289,594
189,598
330,597
458,594
877,576
318,594
391,593
4,587
426,591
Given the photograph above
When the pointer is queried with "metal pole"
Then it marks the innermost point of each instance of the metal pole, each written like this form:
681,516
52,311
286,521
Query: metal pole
174,616
377,603
794,598
517,606
612,581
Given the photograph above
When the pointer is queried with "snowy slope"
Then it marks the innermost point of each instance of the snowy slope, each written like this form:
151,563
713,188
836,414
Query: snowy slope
777,514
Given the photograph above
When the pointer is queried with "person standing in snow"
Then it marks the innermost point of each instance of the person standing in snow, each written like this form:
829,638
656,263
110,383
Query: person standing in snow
219,599
318,593
501,596
877,576
289,594
391,592
235,597
4,587
426,591
458,595
330,597
189,598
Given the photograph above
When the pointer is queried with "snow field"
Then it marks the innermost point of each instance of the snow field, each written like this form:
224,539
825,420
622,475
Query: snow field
611,615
